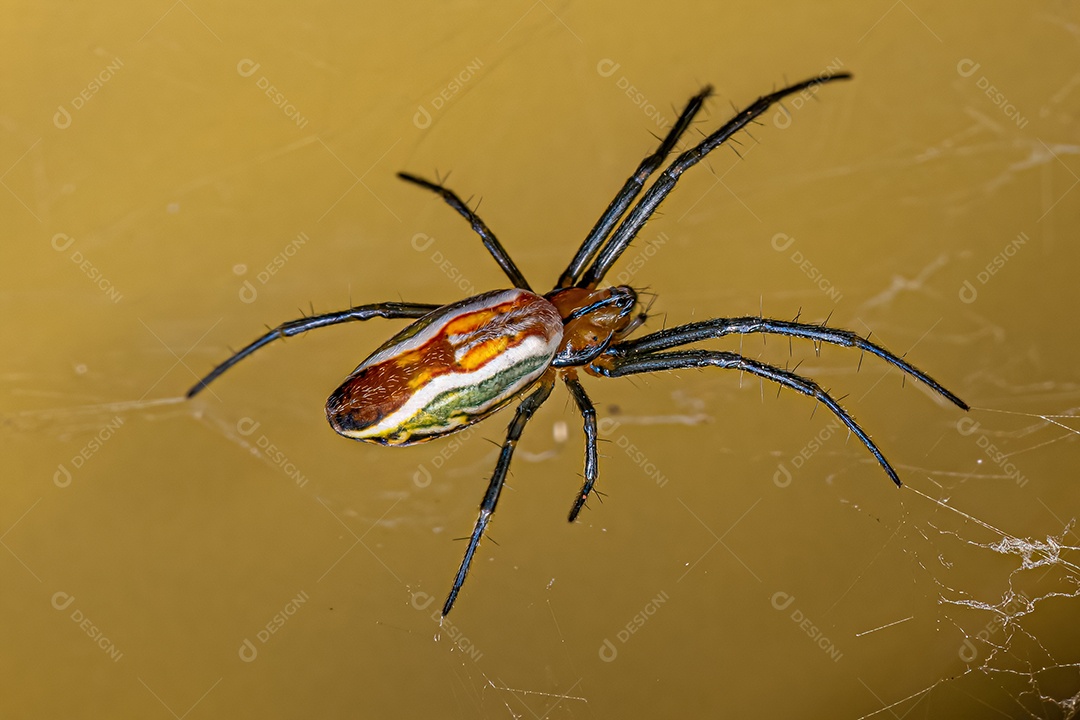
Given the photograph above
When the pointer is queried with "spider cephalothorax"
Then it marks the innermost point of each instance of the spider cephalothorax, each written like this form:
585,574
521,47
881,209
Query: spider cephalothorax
592,320
459,363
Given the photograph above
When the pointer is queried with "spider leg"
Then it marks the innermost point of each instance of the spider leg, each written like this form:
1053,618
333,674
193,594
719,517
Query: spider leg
513,433
295,327
490,241
588,415
629,191
617,366
717,327
643,210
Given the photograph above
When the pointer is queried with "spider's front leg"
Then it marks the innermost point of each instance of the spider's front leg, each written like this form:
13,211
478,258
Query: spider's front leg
630,190
524,412
718,327
635,219
613,365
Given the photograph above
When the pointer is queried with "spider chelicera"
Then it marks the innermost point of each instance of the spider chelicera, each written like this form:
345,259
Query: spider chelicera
459,363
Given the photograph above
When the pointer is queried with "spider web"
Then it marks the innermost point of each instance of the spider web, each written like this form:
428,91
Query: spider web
956,596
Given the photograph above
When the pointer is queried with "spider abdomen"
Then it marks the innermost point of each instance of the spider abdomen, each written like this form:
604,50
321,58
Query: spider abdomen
449,369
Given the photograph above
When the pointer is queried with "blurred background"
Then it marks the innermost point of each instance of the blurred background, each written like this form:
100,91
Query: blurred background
178,175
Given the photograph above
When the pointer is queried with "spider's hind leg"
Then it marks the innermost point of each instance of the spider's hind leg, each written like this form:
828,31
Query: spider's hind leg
524,412
295,327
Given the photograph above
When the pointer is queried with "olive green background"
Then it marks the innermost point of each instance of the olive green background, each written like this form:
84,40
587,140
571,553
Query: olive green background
176,176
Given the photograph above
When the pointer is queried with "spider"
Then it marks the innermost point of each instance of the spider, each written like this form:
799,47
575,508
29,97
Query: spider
457,364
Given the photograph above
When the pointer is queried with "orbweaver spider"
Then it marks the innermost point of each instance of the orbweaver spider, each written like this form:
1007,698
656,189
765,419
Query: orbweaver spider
459,363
